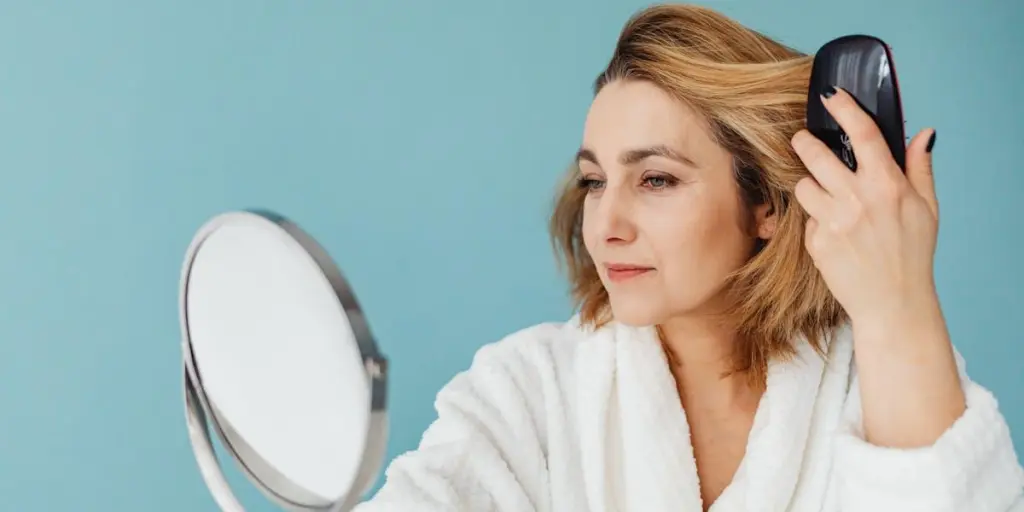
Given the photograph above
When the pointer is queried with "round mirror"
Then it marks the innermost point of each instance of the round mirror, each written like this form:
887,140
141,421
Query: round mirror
279,366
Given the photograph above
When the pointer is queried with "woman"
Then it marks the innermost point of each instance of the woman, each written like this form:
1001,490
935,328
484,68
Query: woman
758,329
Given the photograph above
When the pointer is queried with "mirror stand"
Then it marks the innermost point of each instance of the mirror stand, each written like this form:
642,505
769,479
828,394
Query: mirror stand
205,421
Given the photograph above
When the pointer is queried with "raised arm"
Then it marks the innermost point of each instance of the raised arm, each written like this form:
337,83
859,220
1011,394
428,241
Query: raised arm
972,466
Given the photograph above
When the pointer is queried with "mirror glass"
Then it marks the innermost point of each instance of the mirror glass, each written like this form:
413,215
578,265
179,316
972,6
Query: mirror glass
279,365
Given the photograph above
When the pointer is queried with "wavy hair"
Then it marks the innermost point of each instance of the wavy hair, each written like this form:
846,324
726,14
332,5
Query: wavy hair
752,90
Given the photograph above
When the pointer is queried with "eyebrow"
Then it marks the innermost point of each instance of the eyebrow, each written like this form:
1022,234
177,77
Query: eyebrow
634,156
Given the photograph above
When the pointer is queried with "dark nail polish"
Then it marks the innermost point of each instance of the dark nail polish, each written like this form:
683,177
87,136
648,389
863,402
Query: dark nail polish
931,143
829,91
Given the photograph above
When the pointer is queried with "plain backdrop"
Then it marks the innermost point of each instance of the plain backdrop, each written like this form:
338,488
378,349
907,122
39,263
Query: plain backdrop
421,143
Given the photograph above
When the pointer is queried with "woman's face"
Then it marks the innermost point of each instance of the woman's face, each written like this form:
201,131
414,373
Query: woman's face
663,219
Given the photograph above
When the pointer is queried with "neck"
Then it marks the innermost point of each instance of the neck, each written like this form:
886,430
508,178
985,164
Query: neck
700,353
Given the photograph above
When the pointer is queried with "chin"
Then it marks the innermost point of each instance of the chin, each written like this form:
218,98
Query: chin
636,313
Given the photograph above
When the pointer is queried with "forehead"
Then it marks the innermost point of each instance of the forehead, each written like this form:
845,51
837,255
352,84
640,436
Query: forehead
629,114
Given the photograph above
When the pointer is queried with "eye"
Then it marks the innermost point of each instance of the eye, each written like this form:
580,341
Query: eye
659,181
589,184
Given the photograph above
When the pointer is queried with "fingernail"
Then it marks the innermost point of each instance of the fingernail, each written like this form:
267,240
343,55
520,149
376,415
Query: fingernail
931,142
829,91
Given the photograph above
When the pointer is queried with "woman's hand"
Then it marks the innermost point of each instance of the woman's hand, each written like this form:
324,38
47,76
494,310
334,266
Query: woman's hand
872,235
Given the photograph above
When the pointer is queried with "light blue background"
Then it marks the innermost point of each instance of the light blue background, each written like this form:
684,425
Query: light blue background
420,141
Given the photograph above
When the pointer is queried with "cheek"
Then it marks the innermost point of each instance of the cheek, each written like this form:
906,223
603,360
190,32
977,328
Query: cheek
676,223
697,237
677,236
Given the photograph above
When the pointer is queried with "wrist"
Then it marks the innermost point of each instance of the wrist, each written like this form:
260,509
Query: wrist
900,316
908,375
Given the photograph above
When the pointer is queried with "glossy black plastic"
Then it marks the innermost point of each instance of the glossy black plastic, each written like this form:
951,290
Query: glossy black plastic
863,66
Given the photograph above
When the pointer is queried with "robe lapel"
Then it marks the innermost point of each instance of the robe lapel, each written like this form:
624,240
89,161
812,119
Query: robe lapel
658,460
778,439
599,435
635,441
637,453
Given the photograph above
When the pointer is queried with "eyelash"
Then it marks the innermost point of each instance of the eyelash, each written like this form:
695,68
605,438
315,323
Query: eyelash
590,184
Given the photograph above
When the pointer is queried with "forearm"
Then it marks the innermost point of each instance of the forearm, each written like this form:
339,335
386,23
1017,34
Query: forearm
910,387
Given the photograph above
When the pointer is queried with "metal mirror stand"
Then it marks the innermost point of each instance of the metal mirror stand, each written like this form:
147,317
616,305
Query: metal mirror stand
201,414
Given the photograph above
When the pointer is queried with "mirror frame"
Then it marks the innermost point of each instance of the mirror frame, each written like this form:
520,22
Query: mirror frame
202,415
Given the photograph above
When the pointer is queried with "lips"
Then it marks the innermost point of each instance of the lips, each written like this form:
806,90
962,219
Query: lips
619,272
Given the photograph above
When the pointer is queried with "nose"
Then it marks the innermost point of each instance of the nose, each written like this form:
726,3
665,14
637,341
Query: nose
613,216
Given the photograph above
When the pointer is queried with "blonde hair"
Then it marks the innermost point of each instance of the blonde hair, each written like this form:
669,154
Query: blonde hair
753,92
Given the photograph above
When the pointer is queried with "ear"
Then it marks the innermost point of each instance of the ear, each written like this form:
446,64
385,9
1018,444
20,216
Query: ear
766,221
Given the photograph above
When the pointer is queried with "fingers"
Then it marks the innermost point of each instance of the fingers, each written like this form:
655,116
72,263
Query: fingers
813,198
919,168
869,146
811,240
833,175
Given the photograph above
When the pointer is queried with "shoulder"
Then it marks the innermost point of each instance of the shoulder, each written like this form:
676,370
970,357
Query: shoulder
495,422
544,345
515,386
535,358
529,366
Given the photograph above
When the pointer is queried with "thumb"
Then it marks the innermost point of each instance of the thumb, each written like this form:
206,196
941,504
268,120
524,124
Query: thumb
919,168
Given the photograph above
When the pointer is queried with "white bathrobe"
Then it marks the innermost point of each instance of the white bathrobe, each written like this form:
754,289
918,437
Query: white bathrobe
559,418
